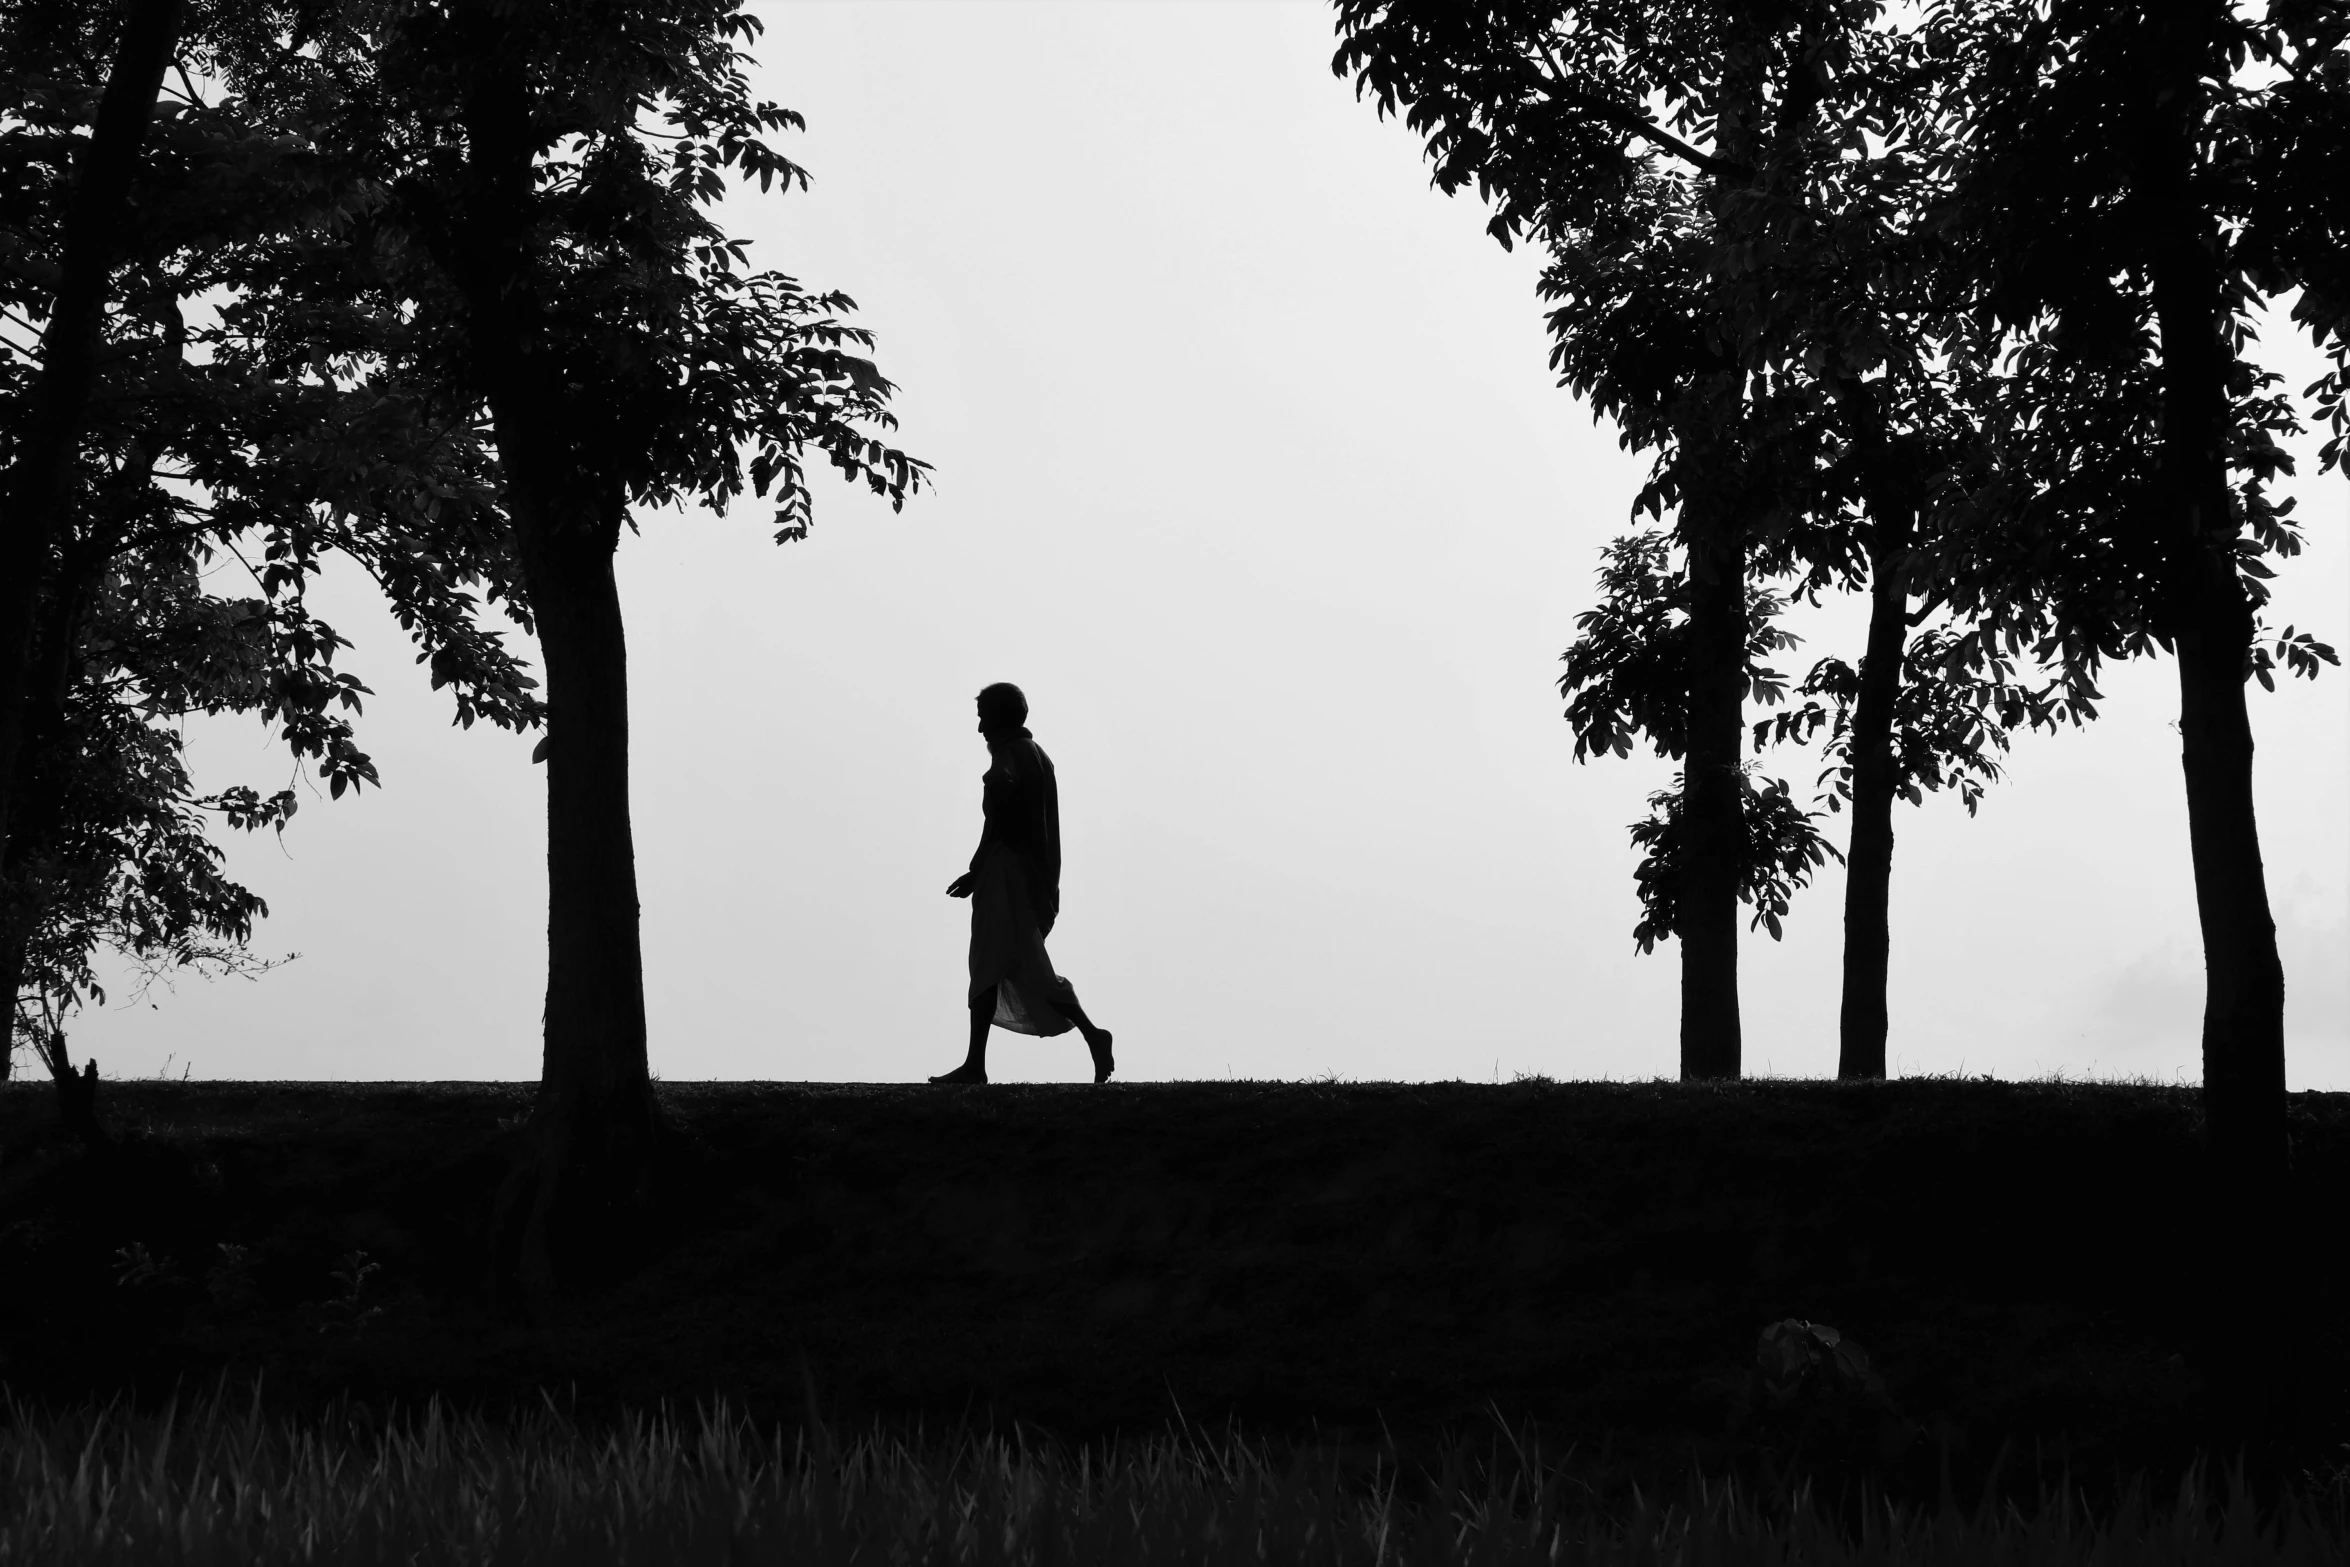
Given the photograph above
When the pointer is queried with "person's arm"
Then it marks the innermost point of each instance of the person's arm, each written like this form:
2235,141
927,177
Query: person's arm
994,800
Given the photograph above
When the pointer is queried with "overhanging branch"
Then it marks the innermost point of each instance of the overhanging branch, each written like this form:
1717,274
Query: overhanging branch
1632,123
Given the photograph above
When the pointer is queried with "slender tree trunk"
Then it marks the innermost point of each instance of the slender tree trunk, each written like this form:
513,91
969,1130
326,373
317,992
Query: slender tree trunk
1713,802
2212,626
37,491
11,986
2244,982
37,485
39,807
2253,1322
1713,522
1868,881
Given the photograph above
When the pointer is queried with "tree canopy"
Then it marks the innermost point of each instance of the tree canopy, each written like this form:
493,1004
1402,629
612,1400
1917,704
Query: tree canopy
221,428
1950,307
441,291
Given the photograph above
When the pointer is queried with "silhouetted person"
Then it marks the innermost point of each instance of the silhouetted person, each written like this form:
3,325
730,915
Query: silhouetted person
1014,885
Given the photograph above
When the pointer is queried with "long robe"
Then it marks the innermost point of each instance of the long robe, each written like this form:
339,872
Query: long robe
1016,888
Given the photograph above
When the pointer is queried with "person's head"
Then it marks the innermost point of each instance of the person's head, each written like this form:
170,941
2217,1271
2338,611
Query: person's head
1002,707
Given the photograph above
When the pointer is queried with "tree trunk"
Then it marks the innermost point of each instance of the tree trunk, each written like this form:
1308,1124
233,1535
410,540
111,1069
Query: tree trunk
592,1131
38,483
11,986
593,1128
1713,802
1713,524
2255,1325
2251,1337
77,1092
2211,624
38,811
2244,982
1868,859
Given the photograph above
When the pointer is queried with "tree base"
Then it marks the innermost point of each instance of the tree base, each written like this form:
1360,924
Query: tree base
77,1093
581,1200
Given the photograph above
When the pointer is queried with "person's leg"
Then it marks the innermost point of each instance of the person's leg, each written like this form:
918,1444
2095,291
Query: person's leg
1097,1039
974,1067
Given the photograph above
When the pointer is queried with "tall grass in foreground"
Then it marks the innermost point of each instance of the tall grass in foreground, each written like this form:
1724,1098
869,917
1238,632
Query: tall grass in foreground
211,1482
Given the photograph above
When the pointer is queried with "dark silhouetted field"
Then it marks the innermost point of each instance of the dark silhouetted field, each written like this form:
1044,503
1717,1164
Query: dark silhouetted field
1365,1262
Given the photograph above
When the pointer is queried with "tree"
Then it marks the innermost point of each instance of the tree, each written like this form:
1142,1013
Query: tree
220,427
112,847
1809,250
46,417
544,181
1833,291
2119,499
1583,125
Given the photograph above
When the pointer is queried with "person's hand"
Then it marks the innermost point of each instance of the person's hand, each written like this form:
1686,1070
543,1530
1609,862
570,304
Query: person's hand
960,887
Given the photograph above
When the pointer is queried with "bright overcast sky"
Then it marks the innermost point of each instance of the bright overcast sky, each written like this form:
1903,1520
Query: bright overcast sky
1250,471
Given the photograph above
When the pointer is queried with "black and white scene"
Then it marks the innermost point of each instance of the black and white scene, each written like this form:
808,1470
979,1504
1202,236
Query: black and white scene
1175,781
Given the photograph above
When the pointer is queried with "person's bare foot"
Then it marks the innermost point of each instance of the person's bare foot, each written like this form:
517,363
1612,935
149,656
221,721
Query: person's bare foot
1103,1062
966,1073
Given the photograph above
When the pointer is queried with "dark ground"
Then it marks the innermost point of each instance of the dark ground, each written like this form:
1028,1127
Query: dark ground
2027,1265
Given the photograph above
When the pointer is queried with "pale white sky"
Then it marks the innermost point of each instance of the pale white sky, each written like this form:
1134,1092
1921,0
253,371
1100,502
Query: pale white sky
1250,471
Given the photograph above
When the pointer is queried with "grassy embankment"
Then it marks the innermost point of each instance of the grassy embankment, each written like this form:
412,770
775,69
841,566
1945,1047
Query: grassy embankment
1371,1268
213,1483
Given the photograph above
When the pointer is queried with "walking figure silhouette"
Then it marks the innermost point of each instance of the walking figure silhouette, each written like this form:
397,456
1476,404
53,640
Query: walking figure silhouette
1014,885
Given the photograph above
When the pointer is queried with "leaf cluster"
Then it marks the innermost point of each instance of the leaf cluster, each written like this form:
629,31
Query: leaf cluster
1955,712
566,161
2062,528
1627,674
1780,849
